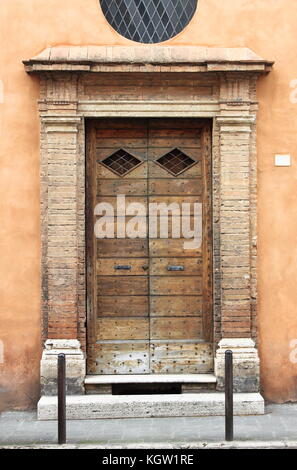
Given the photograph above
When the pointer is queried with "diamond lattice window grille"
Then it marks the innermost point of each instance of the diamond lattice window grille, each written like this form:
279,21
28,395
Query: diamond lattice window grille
121,162
149,21
176,162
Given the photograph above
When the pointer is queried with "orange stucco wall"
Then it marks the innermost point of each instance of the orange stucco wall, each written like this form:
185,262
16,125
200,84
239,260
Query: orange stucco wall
28,26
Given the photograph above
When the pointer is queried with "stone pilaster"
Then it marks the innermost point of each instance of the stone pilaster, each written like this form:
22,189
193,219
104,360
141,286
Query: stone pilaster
235,236
59,225
61,156
237,125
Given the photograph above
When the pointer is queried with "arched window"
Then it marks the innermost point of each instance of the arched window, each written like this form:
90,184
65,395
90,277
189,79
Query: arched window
149,21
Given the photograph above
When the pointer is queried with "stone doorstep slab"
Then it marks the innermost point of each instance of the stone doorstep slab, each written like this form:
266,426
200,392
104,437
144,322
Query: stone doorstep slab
150,379
81,407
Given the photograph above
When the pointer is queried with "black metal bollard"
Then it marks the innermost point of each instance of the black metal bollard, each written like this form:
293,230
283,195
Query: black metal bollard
61,399
229,395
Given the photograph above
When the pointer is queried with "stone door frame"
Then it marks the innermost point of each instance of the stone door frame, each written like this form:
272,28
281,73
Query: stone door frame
231,104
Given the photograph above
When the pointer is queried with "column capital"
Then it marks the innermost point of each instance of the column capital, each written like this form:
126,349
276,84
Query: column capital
61,123
240,120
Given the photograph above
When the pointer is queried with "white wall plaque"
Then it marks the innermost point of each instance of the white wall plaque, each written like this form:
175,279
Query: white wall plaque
282,160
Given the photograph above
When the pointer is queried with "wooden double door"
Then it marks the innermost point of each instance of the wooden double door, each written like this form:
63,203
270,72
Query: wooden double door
149,297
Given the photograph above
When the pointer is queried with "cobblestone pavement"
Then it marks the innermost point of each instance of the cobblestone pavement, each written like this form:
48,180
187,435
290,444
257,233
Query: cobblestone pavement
277,425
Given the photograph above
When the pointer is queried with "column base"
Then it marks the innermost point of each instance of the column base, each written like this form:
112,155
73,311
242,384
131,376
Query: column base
75,367
246,364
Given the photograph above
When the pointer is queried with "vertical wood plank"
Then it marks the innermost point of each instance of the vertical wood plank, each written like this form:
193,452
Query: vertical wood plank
90,245
207,288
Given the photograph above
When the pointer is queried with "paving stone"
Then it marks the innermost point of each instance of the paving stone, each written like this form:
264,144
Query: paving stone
276,427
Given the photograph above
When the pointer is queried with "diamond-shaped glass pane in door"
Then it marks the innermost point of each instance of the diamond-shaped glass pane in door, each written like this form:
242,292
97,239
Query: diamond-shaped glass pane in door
176,162
149,21
121,162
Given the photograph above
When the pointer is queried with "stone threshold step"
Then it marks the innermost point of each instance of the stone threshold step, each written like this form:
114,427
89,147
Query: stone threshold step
150,406
150,379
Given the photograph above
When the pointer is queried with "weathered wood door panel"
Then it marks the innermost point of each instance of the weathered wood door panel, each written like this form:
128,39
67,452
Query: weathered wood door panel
122,306
149,298
175,187
179,305
107,248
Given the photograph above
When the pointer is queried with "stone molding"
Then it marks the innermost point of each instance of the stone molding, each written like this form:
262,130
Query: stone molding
147,57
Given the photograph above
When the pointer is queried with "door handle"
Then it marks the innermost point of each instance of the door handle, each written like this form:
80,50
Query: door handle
124,268
175,268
